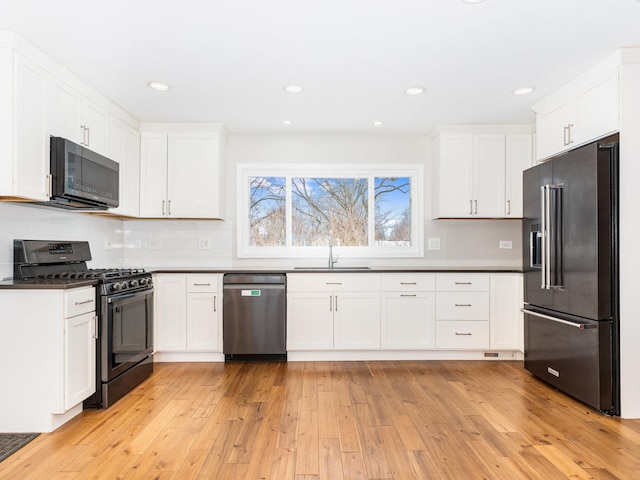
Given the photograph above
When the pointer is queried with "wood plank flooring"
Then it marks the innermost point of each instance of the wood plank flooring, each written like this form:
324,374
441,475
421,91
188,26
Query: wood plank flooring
398,420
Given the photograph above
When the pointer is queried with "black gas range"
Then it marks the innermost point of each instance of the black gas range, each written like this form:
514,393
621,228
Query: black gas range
124,307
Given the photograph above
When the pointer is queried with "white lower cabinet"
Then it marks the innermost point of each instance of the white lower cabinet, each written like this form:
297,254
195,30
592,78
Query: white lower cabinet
188,313
470,313
507,321
462,311
408,311
333,311
51,351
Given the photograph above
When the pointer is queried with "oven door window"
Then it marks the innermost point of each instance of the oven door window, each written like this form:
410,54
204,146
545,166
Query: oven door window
131,334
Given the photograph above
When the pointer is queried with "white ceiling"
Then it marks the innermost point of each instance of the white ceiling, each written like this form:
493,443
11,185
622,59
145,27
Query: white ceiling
228,61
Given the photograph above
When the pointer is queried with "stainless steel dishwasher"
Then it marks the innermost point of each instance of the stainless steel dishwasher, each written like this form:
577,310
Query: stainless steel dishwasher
254,316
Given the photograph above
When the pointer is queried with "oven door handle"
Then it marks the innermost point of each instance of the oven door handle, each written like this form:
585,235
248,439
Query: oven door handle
127,296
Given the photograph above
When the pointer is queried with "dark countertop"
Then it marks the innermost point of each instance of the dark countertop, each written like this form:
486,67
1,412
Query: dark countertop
45,284
441,269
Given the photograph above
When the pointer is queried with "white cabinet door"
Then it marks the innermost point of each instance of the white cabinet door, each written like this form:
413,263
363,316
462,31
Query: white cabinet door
356,320
455,176
31,148
552,130
596,109
506,319
94,126
170,313
488,175
309,321
193,175
153,174
203,322
79,359
124,148
408,320
77,118
518,149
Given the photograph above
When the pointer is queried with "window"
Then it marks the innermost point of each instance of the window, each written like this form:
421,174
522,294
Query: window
363,212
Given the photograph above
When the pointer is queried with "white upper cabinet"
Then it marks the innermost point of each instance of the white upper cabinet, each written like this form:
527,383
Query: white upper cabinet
124,148
75,117
474,172
582,110
24,147
181,174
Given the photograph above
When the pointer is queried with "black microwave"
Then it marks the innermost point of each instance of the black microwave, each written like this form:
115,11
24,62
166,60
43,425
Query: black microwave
81,178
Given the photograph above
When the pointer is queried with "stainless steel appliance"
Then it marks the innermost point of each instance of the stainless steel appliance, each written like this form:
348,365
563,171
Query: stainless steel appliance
570,254
254,318
81,178
124,307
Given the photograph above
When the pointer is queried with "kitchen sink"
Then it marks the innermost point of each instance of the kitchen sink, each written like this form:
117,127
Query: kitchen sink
333,268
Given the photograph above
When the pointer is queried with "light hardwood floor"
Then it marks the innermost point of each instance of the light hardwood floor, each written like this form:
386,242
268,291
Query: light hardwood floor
337,420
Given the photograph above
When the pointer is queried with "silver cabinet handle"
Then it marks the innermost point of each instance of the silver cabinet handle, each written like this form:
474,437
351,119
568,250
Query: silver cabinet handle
470,207
508,207
169,207
201,284
569,140
95,327
564,135
333,283
408,295
476,204
466,334
407,283
163,201
462,283
88,140
215,308
84,302
336,298
462,304
331,303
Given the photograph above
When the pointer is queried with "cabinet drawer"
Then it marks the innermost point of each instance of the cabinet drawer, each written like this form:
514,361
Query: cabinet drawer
202,283
462,305
467,282
79,301
333,282
408,282
463,335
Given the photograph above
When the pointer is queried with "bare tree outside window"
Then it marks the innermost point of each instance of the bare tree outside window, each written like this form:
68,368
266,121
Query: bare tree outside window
392,211
267,211
330,208
325,209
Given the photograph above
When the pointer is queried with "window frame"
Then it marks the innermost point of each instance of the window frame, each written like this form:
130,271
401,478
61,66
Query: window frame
414,171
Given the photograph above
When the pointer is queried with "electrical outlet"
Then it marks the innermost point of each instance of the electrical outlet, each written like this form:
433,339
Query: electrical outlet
506,244
204,244
433,243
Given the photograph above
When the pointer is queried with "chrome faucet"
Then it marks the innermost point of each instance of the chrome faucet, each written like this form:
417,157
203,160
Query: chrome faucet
332,259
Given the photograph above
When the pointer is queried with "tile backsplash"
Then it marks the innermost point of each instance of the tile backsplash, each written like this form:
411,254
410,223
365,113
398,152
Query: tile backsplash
118,243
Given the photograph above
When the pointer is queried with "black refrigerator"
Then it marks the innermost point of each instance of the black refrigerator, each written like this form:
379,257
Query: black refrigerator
570,260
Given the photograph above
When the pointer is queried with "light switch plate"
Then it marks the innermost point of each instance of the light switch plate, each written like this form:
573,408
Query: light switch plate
506,244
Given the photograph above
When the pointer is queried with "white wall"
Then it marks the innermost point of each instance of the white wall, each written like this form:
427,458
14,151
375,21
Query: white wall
22,221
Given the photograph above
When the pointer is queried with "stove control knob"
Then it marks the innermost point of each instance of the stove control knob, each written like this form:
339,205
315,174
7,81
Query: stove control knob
116,287
133,283
144,281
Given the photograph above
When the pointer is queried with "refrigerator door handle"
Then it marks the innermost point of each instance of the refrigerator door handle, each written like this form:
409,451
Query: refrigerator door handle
546,245
554,223
580,326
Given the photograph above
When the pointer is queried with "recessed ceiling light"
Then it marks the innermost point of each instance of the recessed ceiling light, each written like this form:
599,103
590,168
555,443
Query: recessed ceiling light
378,123
523,90
287,122
414,90
161,86
293,89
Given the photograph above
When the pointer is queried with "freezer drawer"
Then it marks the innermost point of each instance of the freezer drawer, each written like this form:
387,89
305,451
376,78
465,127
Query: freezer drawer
254,318
573,355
